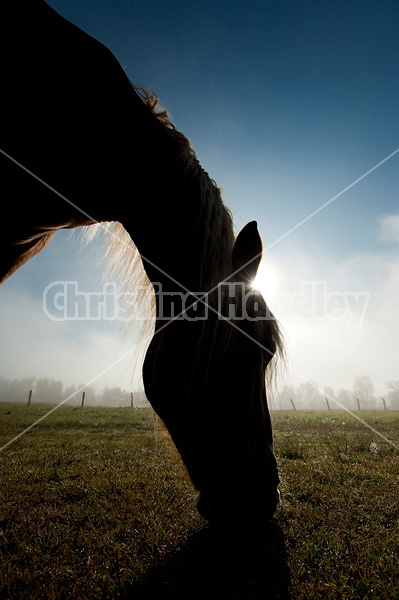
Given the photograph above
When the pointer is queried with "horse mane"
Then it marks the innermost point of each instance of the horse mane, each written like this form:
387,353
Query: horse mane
218,221
121,256
123,261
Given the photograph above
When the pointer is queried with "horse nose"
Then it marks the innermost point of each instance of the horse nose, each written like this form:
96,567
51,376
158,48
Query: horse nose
212,510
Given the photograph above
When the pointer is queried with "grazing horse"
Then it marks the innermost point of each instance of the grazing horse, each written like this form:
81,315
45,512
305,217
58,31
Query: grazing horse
81,146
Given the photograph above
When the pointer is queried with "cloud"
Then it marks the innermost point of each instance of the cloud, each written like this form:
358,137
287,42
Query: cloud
340,317
389,228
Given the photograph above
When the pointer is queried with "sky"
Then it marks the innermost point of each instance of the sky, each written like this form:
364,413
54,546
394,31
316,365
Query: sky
291,107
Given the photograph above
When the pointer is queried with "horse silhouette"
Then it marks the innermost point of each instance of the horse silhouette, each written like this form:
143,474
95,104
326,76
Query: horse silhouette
80,145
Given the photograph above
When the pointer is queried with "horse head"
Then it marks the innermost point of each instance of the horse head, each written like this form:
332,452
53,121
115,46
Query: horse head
205,377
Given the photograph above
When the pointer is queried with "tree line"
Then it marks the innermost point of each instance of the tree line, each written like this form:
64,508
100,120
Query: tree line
306,395
53,391
309,395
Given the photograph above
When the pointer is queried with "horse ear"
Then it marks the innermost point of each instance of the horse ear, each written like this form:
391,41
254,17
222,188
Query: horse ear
247,253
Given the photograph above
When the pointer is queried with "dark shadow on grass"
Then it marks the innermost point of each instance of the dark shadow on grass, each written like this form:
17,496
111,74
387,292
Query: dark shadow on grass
223,564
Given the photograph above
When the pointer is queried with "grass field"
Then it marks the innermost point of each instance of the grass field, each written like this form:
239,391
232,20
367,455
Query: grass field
95,503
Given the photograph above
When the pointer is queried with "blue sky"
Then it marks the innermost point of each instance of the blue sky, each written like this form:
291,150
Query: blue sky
286,104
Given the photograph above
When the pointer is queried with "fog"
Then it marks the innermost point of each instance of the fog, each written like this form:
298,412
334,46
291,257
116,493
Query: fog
338,315
33,390
305,396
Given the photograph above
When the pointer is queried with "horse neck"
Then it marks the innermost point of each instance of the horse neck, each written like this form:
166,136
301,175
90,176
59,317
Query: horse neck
184,235
84,131
88,135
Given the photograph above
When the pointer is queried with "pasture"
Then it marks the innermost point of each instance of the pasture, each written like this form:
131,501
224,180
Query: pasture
95,503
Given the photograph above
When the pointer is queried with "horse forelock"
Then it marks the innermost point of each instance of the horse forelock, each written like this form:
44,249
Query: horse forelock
261,330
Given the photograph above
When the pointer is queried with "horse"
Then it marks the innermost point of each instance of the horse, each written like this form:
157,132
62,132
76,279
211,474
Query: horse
81,145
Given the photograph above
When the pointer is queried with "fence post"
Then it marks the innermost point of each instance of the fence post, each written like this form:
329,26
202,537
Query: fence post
328,405
358,403
385,406
292,402
131,400
83,398
30,397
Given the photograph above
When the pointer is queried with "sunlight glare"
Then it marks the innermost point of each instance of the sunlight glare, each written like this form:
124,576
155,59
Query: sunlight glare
266,281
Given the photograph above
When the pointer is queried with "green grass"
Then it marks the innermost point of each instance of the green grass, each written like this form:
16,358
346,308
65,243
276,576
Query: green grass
340,486
95,503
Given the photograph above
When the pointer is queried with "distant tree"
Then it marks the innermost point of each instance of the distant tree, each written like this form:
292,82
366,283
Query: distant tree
345,398
8,389
14,387
42,388
90,394
330,395
56,388
363,388
71,389
114,396
48,390
287,392
393,393
309,396
16,390
140,399
4,385
27,384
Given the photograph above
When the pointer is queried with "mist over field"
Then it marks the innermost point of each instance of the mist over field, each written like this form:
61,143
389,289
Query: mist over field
52,391
307,395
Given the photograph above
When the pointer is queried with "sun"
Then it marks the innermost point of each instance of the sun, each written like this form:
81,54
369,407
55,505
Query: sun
266,281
